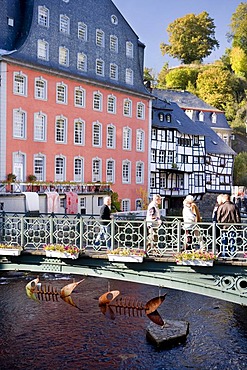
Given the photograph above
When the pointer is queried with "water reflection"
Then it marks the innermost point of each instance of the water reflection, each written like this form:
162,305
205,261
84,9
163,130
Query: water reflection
54,335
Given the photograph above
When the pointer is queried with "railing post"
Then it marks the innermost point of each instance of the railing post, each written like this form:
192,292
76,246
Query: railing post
22,231
179,233
214,237
51,230
81,232
112,233
145,235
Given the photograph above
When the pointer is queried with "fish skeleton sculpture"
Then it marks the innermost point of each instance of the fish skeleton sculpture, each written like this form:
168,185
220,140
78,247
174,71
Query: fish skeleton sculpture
110,305
36,291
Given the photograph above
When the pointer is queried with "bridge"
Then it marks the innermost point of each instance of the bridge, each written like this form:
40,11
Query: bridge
226,279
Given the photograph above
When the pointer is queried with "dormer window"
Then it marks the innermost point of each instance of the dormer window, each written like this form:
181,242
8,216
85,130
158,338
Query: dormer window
201,116
161,117
214,117
168,118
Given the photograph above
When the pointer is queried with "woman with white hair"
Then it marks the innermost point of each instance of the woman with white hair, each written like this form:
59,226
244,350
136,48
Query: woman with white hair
189,218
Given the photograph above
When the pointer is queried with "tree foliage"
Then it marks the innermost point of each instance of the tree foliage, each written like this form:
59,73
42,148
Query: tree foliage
238,27
191,38
240,169
238,59
180,78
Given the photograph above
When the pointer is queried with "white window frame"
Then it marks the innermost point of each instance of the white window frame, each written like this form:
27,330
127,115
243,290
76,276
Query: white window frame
113,71
43,50
129,76
63,56
140,110
78,170
61,93
60,171
125,205
113,43
110,170
40,126
40,88
126,172
79,132
201,116
127,108
139,172
64,24
61,130
96,169
129,49
140,137
79,97
19,124
20,84
97,134
40,175
82,62
214,118
111,136
97,101
100,38
100,67
43,16
127,138
82,31
111,104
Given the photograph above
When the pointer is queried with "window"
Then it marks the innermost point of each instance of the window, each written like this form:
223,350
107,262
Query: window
111,104
161,117
114,19
20,84
100,67
140,140
97,134
222,162
170,158
184,159
43,50
168,118
152,180
60,130
161,156
129,49
126,138
64,25
40,88
154,133
97,101
10,22
100,38
82,62
126,172
198,180
129,76
169,135
63,56
125,205
61,93
113,71
111,136
60,169
127,108
79,97
96,167
139,172
79,132
19,160
19,124
113,43
110,170
78,169
196,140
40,126
162,180
139,204
201,116
43,16
189,113
153,155
214,118
140,110
39,167
82,31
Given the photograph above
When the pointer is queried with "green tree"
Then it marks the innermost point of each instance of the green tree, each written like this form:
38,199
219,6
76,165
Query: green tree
240,169
238,26
238,60
180,78
214,86
149,76
191,38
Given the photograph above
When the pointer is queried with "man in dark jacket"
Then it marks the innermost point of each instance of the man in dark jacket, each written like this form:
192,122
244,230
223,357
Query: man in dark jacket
105,228
228,213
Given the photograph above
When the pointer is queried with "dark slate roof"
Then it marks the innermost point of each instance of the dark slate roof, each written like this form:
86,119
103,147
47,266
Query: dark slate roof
96,14
187,100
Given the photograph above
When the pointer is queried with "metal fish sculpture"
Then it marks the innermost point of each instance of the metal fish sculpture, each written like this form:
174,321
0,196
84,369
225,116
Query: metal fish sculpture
110,305
38,292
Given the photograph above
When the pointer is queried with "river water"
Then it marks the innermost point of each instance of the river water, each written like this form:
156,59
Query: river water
56,336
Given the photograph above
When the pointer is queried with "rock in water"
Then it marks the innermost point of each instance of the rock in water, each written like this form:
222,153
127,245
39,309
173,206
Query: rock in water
171,334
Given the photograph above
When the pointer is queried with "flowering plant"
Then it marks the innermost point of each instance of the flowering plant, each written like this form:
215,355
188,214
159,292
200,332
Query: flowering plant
71,249
127,252
10,246
195,255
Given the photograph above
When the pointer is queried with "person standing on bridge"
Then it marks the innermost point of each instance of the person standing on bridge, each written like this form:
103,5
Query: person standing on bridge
105,228
153,221
189,218
228,213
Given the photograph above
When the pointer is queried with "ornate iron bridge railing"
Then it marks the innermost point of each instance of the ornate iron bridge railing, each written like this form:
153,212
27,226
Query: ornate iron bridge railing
225,240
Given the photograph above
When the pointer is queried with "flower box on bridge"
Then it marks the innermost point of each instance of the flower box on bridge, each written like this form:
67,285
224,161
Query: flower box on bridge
195,263
61,251
118,258
58,254
10,251
126,255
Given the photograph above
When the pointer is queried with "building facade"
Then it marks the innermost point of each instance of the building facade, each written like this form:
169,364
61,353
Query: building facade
73,104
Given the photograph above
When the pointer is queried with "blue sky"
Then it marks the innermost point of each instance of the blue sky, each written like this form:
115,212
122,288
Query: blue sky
150,18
